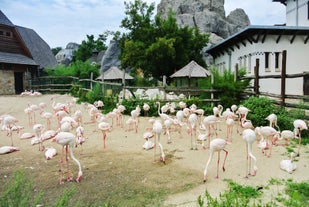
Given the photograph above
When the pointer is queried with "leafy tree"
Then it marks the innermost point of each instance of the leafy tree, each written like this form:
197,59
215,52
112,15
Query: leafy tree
157,46
56,50
85,50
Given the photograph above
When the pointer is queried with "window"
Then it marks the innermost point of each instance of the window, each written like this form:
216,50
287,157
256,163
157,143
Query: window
8,34
249,63
1,32
266,59
277,57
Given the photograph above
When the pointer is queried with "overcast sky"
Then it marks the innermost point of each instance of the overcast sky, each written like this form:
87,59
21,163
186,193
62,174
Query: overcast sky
59,22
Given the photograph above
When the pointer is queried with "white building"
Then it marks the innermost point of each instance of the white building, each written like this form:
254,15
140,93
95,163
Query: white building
266,43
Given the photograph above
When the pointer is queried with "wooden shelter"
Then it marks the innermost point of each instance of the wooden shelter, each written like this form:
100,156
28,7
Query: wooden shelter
189,74
114,74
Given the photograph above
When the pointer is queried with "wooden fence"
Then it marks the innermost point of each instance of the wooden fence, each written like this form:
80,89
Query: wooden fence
281,98
63,84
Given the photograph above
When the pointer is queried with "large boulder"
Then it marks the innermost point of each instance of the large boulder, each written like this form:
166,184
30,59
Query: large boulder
111,56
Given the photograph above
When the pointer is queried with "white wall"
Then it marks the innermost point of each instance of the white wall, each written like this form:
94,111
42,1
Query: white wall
297,62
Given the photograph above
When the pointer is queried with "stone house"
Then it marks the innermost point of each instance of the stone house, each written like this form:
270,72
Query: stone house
23,54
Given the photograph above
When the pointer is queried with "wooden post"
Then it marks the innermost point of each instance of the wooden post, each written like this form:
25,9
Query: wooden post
283,78
124,84
212,93
91,78
256,77
164,86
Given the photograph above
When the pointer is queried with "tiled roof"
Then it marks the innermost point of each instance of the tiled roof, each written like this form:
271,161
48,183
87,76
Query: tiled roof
38,48
4,20
14,58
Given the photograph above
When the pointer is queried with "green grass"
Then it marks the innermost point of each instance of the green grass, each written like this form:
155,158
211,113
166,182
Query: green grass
295,194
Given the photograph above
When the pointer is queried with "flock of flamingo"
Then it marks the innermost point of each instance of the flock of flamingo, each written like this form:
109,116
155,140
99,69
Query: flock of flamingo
70,131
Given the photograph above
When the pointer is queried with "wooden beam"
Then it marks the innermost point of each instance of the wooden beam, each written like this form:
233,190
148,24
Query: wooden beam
292,39
283,77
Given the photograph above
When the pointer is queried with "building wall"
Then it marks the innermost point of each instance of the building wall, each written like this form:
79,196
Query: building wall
7,84
246,56
297,13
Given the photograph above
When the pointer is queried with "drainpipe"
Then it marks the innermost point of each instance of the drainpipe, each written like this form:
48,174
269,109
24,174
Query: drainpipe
230,60
297,13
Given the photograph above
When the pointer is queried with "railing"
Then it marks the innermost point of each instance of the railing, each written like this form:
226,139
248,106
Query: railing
63,84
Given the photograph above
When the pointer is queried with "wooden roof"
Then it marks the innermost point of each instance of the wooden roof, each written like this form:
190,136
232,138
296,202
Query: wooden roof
191,70
36,48
114,73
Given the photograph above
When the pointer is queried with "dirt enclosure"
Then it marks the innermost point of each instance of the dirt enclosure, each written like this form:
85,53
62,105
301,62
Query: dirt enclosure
124,174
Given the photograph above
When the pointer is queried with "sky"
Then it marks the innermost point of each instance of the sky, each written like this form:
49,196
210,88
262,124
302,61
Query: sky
59,22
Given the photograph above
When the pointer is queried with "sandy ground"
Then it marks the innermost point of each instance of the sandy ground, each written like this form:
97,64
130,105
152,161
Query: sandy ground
178,153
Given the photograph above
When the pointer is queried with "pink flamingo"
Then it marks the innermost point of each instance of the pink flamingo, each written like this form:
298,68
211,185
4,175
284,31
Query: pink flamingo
67,140
249,136
299,126
8,149
269,133
216,145
272,118
209,123
104,127
38,129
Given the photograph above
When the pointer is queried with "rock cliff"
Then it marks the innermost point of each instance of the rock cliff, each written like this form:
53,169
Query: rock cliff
208,15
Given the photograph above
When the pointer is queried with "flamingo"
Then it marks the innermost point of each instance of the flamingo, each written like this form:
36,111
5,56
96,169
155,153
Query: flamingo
193,122
50,153
157,129
38,129
67,140
8,149
46,115
272,118
148,144
104,127
249,136
288,165
216,145
80,136
299,126
146,108
208,123
8,123
268,133
286,135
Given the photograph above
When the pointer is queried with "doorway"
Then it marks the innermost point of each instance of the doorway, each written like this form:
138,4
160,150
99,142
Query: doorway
19,82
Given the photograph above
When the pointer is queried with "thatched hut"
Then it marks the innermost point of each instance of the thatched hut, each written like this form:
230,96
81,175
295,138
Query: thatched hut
188,75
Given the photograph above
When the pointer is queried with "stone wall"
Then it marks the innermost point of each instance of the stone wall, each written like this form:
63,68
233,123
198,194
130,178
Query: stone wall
7,84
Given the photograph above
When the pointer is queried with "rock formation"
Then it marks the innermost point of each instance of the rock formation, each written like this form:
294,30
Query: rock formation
207,15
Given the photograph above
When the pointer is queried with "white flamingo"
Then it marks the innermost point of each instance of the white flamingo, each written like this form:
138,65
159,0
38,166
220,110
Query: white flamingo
193,127
249,136
216,145
299,126
67,141
146,108
157,129
288,165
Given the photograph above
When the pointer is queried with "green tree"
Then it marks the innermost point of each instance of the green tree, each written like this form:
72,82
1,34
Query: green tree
157,46
85,50
56,50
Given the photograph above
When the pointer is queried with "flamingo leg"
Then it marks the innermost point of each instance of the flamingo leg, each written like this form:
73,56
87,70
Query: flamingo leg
226,153
218,161
104,139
